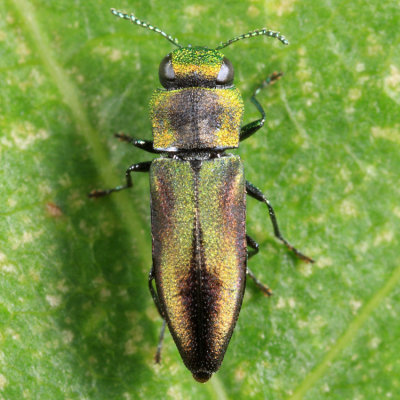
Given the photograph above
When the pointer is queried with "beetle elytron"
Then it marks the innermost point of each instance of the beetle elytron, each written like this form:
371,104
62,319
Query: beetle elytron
198,199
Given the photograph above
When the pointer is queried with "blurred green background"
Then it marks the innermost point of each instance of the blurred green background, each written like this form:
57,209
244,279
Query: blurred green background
76,318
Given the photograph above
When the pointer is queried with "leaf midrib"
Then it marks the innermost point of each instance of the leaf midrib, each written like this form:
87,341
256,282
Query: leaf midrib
72,98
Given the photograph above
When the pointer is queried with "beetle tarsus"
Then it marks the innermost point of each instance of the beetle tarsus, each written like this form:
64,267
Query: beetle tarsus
96,193
101,193
271,79
264,288
146,145
154,293
251,128
140,167
157,357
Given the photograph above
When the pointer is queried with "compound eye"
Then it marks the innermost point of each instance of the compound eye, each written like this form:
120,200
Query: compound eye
166,72
226,73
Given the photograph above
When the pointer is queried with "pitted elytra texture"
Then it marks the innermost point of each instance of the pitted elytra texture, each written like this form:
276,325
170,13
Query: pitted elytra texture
201,284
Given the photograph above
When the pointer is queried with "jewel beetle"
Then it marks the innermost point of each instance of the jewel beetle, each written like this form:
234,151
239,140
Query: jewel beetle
198,199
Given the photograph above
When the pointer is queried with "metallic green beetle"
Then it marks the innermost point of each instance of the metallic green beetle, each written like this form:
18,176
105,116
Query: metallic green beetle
198,199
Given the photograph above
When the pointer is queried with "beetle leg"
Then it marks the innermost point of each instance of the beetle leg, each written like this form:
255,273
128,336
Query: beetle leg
264,288
157,357
251,128
156,300
153,293
254,245
140,167
256,193
146,145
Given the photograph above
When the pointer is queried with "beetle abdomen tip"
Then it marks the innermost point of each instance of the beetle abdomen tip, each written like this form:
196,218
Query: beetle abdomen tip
202,376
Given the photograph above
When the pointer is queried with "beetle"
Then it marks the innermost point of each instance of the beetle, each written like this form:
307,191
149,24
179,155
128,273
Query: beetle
198,199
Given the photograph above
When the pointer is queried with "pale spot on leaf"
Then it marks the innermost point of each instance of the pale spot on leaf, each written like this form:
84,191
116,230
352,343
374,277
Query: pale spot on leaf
347,207
385,236
283,7
355,305
3,382
392,81
62,287
355,94
105,294
111,53
240,374
390,133
302,324
174,392
302,51
23,51
281,303
67,337
11,202
324,261
306,269
8,268
53,300
24,134
292,302
27,237
195,10
396,211
326,388
374,47
44,188
360,67
374,343
317,324
253,11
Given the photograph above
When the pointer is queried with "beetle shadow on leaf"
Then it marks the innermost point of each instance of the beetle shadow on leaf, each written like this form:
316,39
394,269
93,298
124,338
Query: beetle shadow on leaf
106,291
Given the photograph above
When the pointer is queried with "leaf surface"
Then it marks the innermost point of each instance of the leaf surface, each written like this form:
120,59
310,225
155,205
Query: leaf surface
76,318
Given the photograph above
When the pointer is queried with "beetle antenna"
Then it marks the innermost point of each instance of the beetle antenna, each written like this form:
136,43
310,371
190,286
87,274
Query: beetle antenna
143,24
258,32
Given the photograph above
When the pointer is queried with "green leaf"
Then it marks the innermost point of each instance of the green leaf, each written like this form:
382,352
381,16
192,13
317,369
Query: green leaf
76,318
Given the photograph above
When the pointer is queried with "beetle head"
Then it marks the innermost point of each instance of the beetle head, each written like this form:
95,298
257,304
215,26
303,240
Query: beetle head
198,65
195,66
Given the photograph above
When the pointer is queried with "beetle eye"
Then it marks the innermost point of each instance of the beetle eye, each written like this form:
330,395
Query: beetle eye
166,72
226,73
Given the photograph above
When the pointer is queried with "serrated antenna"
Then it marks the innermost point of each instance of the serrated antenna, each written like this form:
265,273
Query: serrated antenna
258,32
143,24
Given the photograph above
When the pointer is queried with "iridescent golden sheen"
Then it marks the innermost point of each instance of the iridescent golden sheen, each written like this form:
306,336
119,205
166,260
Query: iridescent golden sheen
196,118
204,62
221,209
199,253
173,213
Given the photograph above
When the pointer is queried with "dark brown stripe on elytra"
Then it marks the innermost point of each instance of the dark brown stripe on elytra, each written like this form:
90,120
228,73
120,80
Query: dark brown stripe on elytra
200,293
